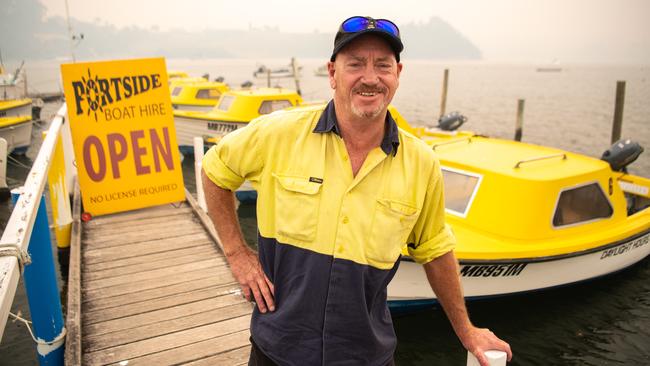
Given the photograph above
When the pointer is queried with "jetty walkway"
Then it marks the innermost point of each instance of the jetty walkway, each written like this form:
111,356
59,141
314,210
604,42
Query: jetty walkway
152,287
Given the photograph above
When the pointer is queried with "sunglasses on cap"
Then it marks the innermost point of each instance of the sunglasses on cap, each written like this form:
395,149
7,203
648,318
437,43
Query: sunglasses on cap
359,23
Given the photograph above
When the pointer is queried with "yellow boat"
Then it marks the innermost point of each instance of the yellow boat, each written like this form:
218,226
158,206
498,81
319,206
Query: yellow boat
530,217
174,74
234,110
15,113
200,96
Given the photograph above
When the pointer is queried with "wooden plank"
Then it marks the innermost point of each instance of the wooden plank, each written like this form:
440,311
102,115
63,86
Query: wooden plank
209,347
162,315
153,275
221,275
157,261
108,232
143,213
167,342
73,316
91,256
92,304
104,226
151,234
238,356
102,341
105,314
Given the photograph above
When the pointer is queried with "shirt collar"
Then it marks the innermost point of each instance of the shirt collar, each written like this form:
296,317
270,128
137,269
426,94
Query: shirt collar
328,123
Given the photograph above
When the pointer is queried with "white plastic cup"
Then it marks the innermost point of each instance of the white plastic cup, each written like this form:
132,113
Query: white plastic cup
495,358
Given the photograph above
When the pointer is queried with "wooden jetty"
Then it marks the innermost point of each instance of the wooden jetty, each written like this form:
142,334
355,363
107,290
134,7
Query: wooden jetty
152,287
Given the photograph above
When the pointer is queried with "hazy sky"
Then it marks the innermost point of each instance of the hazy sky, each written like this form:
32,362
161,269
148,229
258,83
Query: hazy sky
509,30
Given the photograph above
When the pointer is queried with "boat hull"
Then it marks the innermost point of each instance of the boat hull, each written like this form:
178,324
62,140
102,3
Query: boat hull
24,109
410,288
188,128
18,136
193,107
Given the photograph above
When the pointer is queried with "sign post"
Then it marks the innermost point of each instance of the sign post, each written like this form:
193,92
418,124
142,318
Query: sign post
123,134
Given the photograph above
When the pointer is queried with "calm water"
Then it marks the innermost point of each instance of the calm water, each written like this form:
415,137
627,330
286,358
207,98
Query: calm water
603,322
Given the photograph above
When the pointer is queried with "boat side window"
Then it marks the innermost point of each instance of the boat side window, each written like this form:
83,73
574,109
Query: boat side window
207,94
581,204
460,189
269,106
225,102
177,90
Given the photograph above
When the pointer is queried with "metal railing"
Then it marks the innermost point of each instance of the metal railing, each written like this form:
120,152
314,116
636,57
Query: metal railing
26,244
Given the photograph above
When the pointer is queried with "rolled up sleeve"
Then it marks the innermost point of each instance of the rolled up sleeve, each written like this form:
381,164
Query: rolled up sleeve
431,237
236,158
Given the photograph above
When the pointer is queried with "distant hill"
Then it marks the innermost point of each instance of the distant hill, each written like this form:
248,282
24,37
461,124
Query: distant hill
26,35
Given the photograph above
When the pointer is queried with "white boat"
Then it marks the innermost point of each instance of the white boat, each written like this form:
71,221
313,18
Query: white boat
264,72
321,71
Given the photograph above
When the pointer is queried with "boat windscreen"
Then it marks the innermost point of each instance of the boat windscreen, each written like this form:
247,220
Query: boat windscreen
208,94
269,106
225,102
582,204
460,188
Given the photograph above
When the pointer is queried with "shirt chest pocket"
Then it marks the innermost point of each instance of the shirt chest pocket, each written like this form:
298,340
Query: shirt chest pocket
297,203
391,225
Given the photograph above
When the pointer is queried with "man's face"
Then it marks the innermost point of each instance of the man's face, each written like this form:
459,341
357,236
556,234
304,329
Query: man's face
364,76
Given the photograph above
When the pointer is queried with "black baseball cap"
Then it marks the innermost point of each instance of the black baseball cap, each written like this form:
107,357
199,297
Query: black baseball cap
357,26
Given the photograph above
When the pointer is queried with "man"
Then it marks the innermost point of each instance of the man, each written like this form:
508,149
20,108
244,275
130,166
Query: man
341,191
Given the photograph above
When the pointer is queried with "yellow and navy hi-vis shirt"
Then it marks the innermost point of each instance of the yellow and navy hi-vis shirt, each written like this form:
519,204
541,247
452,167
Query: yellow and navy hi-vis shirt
329,241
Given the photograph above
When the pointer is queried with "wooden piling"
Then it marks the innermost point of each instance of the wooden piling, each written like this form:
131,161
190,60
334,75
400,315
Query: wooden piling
268,78
618,111
520,119
443,98
296,77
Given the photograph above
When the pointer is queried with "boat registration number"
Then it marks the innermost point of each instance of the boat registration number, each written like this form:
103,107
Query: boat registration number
624,248
222,126
493,270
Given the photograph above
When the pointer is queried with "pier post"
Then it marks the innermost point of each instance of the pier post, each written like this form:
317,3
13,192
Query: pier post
42,290
443,98
618,111
68,154
519,125
268,78
60,200
4,189
198,156
296,77
495,358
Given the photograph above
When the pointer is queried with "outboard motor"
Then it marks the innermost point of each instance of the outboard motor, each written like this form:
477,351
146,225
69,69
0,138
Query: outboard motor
451,121
246,84
219,79
622,154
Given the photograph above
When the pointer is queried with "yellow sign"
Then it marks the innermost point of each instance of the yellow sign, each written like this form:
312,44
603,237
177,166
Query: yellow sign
123,134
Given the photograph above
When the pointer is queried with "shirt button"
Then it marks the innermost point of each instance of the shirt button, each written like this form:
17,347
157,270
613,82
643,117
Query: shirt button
345,219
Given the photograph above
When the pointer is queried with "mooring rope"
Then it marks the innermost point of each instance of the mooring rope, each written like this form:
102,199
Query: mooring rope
58,340
14,250
17,162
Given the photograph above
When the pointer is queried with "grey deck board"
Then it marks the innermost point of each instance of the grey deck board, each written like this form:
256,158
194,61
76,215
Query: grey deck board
155,288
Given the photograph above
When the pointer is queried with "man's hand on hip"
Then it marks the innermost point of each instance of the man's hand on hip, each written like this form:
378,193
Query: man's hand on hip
255,286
